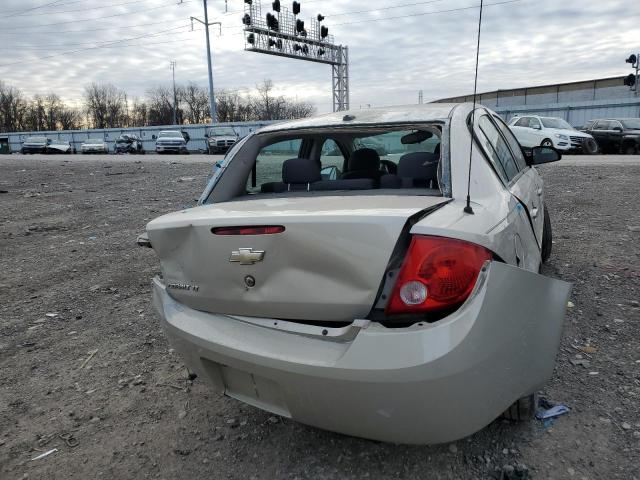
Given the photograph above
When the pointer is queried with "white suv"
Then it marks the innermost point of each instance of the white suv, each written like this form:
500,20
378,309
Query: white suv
533,131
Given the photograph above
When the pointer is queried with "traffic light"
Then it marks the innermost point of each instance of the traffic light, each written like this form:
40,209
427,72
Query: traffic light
251,39
299,26
320,17
246,19
272,22
296,8
276,6
321,52
324,31
630,81
275,43
305,50
248,2
632,60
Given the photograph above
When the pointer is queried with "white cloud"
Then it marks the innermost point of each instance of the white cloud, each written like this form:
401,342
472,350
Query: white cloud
524,43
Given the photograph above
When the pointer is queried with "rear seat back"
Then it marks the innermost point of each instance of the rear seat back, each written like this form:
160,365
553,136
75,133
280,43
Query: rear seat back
300,174
415,170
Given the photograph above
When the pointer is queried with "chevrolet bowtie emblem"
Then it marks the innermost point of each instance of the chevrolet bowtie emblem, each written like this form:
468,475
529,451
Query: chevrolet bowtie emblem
246,256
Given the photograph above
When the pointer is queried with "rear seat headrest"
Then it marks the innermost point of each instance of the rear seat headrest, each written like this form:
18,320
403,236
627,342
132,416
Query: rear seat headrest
419,165
364,159
300,171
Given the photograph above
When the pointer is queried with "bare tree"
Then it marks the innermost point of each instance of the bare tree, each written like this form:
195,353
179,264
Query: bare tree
160,105
196,100
106,105
13,106
139,114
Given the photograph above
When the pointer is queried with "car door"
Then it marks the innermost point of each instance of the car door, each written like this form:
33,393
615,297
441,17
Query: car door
522,131
536,132
530,184
523,183
599,132
615,135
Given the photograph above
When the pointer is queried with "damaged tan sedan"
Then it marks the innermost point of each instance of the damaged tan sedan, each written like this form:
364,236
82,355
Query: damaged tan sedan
335,273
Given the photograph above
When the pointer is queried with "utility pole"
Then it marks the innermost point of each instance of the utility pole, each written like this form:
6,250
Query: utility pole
175,97
420,97
212,100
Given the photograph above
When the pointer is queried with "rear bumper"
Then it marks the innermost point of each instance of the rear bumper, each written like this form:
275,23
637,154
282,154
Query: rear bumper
429,383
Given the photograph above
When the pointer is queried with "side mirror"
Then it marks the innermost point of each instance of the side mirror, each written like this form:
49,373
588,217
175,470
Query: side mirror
541,155
154,137
206,135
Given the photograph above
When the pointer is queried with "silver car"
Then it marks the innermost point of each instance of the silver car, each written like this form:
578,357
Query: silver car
94,145
363,294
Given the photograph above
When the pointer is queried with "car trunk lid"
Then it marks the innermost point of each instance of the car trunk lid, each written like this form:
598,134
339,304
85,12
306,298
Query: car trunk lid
327,264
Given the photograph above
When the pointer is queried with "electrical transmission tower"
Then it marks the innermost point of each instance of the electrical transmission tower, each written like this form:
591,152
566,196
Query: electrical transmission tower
285,35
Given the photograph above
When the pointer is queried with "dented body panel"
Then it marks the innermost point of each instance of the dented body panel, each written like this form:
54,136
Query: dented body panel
429,383
295,322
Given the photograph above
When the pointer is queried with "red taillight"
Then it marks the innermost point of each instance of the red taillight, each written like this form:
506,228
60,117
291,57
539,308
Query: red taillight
250,230
437,273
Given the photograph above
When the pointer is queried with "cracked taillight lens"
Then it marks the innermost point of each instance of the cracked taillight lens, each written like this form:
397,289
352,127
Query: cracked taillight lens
438,273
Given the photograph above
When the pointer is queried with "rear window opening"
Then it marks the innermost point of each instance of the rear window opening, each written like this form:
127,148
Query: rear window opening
390,160
374,160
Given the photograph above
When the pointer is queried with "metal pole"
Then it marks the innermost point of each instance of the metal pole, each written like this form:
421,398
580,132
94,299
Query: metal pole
175,97
212,100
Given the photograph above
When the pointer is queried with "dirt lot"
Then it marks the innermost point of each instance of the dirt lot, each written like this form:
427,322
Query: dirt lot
81,352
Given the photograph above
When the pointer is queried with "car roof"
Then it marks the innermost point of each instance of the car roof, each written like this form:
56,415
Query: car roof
371,116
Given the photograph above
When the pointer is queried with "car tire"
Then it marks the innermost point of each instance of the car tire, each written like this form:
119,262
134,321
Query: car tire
589,146
523,409
547,238
629,149
546,143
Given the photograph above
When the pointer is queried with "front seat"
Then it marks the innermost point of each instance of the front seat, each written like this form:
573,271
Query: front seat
363,163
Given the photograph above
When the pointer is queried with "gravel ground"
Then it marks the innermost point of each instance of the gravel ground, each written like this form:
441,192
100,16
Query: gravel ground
82,355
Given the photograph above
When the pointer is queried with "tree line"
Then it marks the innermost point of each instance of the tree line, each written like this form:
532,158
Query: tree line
106,106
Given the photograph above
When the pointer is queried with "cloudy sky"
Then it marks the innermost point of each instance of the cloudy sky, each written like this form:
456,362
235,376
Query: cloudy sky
397,47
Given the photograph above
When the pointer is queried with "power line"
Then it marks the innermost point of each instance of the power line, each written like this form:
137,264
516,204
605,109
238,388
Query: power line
82,9
410,15
425,13
20,12
60,32
56,5
146,35
54,47
383,8
23,27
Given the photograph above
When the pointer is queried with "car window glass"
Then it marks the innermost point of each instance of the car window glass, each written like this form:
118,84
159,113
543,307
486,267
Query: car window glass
523,122
614,124
390,147
269,162
513,143
331,155
497,148
534,123
602,125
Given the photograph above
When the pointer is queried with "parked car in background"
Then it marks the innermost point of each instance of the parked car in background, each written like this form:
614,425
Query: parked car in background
369,301
128,143
35,145
171,141
616,135
94,145
220,139
61,146
533,131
